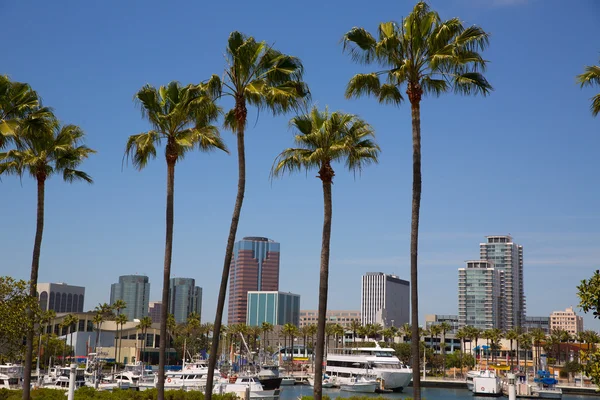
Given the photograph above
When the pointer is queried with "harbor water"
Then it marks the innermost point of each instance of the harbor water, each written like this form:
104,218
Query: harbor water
294,392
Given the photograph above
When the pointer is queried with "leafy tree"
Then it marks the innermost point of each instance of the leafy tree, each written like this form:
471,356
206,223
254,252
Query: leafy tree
323,138
428,56
181,116
589,301
570,368
43,148
257,75
14,303
591,77
402,351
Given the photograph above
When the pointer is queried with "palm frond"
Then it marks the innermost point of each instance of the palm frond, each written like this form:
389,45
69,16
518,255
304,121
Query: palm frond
360,44
390,94
595,106
71,175
363,84
434,86
230,121
471,83
591,76
141,148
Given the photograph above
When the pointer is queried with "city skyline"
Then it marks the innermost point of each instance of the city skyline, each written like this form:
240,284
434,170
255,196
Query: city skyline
536,138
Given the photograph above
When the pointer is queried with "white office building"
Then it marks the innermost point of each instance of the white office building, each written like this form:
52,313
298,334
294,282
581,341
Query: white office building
385,300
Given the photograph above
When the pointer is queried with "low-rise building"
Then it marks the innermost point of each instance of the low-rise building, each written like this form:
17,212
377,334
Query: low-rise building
342,317
532,323
276,308
566,320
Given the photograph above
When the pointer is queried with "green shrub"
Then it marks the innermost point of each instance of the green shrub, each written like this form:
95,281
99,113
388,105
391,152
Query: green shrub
88,393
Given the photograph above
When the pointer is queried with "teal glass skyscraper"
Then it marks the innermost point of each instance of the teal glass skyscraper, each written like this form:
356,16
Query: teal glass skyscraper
184,298
135,291
276,308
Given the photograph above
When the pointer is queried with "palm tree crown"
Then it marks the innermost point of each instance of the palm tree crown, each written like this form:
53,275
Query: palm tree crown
322,138
44,148
427,54
181,115
16,101
591,77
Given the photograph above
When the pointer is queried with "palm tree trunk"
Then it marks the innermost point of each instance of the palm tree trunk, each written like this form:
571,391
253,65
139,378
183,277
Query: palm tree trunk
35,267
414,93
171,159
240,113
326,174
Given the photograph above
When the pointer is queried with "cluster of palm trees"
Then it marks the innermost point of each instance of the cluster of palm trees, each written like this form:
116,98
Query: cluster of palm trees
419,55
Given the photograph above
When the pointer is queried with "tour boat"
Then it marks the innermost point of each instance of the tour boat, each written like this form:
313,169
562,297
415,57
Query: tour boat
377,361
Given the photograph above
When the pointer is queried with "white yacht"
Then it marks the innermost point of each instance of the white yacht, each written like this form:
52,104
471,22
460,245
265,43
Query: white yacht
192,376
4,382
62,380
487,383
247,383
377,361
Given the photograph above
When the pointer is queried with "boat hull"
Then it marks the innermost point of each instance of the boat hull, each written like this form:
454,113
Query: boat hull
270,383
359,387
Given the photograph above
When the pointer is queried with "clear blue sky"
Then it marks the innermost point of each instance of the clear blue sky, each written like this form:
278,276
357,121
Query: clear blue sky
523,161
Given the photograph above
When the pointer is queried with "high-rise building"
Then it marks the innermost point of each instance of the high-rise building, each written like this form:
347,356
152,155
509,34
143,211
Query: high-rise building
566,320
184,298
507,258
276,308
532,323
435,319
385,300
254,267
60,297
154,311
342,317
479,292
134,290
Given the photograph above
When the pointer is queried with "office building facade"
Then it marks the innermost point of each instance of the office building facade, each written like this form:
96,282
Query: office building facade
341,317
532,323
507,258
479,295
254,267
435,319
154,311
60,297
134,290
184,298
276,308
566,320
385,300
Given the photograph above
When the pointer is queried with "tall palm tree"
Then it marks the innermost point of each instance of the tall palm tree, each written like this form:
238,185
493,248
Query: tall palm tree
103,312
118,306
538,337
354,326
407,331
525,342
181,116
444,327
428,56
43,148
17,100
120,320
591,77
49,317
266,327
461,335
73,321
324,138
144,324
488,335
435,330
292,331
512,335
171,327
257,75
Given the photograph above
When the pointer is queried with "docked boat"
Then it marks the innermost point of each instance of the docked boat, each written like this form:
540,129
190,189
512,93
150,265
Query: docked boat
288,381
13,373
469,379
192,376
327,383
247,384
4,382
487,383
269,376
377,361
359,384
545,386
63,379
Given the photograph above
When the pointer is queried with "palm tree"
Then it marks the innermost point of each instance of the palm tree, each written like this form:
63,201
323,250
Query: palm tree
429,56
292,331
444,327
461,335
120,320
266,327
117,306
329,331
525,342
17,100
591,77
387,334
49,317
73,321
143,325
43,148
182,117
435,331
354,326
511,335
103,311
258,75
323,138
538,336
407,331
